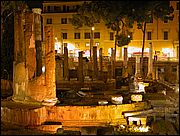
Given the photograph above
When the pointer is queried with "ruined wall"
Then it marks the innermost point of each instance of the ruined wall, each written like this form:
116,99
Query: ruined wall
23,116
106,114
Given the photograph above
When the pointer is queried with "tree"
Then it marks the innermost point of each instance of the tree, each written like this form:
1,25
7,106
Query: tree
111,13
143,12
121,15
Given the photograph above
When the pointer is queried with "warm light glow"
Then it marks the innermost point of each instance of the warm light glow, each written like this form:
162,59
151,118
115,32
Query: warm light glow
136,97
141,87
55,38
43,69
86,53
144,129
93,28
70,46
102,102
57,47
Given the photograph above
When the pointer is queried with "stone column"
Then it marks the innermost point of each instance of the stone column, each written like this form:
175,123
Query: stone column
80,67
50,98
113,63
100,62
177,74
20,71
95,64
37,32
66,67
30,51
125,56
150,59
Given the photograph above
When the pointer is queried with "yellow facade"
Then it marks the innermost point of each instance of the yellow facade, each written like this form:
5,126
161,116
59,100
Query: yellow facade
165,48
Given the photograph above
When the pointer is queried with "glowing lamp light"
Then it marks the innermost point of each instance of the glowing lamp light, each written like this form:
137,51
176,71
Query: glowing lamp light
102,102
93,28
43,69
70,46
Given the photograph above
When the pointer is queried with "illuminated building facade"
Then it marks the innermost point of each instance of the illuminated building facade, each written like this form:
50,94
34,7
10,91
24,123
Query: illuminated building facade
164,35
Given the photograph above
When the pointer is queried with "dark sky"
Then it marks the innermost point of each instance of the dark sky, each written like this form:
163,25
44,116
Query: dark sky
34,4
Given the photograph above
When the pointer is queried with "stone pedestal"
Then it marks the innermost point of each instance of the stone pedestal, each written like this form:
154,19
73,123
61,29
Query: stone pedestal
66,67
80,68
100,63
95,64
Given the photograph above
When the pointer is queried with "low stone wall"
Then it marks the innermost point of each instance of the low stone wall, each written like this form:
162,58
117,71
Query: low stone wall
78,116
95,85
23,116
102,114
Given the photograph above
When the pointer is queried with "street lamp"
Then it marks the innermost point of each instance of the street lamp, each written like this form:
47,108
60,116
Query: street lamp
91,42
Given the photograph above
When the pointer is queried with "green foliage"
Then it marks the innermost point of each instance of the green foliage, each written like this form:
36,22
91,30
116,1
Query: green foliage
123,40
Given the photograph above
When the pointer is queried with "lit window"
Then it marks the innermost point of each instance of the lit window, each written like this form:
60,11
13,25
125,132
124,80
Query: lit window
76,35
86,35
96,43
96,35
87,44
149,36
64,35
49,21
111,35
63,20
165,35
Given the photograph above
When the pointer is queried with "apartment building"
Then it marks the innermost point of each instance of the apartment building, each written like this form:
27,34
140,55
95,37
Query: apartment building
164,35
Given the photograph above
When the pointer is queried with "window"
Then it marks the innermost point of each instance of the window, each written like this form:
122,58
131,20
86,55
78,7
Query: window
67,8
87,44
64,35
64,8
111,35
165,35
96,43
177,6
86,35
149,36
63,20
96,35
49,21
57,9
48,8
76,35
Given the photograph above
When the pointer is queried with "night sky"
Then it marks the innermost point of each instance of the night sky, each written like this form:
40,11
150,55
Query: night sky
34,4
